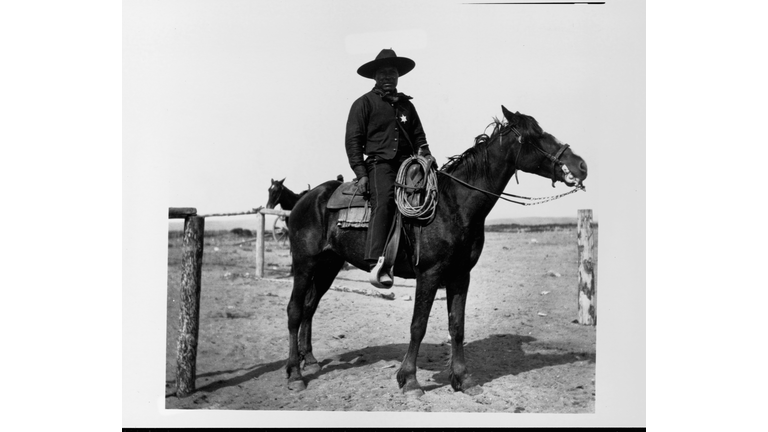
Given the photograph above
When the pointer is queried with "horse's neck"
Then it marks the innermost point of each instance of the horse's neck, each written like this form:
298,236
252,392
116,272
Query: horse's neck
288,199
498,174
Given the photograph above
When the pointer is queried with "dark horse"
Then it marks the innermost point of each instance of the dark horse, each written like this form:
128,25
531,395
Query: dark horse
449,246
279,194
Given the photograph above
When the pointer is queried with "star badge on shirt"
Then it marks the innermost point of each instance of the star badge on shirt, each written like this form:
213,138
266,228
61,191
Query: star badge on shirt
403,119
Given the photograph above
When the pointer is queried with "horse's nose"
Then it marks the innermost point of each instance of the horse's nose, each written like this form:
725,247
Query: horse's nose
583,167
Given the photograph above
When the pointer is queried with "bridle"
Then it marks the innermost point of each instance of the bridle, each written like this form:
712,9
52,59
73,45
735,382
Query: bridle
555,159
555,162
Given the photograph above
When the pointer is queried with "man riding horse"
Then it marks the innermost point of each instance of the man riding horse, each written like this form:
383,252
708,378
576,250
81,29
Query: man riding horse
382,124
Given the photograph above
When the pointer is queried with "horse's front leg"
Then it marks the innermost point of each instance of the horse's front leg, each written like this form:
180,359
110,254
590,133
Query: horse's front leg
426,287
456,293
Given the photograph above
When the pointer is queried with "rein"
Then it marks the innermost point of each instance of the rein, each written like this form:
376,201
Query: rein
502,196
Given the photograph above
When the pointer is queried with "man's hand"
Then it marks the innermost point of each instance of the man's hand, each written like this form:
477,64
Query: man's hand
432,163
362,185
426,154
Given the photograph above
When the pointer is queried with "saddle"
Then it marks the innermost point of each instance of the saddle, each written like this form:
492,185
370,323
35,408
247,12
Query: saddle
346,196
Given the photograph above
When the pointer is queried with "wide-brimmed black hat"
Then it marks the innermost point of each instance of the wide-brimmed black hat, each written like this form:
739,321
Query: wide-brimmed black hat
386,57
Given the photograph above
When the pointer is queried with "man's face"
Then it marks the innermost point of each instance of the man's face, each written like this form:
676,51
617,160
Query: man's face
386,78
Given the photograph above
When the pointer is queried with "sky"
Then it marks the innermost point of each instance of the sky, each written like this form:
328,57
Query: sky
221,97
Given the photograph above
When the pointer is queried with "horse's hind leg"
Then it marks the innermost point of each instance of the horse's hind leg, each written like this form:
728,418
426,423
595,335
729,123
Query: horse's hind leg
326,270
302,284
456,293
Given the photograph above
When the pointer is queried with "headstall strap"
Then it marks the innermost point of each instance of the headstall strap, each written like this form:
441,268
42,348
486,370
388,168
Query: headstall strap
560,152
519,135
555,161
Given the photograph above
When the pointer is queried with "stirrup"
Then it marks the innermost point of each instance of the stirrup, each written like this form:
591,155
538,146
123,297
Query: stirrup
379,278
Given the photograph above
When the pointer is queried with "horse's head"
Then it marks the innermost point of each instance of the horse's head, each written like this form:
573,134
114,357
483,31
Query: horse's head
275,190
541,153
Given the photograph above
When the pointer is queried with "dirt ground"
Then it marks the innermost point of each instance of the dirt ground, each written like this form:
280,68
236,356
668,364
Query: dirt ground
522,343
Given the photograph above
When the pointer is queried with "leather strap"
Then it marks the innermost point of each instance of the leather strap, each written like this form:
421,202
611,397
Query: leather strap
390,250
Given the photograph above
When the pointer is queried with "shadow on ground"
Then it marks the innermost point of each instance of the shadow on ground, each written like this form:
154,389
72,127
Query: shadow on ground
488,359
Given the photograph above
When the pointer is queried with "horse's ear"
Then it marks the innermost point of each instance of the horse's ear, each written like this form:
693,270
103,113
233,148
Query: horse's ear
508,115
272,180
281,181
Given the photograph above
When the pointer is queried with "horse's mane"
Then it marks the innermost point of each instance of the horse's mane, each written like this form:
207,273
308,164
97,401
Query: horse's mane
475,159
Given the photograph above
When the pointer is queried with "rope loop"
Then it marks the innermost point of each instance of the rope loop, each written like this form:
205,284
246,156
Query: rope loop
428,187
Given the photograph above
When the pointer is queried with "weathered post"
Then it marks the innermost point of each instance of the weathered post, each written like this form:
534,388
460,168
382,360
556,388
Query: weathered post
181,212
587,313
260,244
189,317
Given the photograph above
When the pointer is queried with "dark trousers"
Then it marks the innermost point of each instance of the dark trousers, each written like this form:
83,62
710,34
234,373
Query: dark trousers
381,182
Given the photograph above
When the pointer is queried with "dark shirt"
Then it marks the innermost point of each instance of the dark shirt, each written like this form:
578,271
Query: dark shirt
377,126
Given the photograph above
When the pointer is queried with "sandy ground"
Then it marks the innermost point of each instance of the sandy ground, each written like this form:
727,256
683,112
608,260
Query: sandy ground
523,345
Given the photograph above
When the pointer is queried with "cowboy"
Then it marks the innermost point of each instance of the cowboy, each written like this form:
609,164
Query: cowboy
383,124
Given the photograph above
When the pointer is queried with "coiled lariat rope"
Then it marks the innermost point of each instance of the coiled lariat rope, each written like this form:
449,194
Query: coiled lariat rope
425,211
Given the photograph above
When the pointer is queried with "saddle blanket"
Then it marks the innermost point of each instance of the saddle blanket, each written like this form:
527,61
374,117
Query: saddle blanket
354,217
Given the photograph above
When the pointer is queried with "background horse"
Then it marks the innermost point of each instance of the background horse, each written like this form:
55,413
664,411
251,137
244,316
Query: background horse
279,194
468,188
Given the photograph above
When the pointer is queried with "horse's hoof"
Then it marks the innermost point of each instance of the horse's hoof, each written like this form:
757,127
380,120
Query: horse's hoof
311,368
473,391
297,385
414,394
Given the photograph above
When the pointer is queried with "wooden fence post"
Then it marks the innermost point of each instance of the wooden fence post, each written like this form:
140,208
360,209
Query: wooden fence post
189,317
260,244
587,314
260,227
